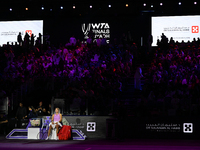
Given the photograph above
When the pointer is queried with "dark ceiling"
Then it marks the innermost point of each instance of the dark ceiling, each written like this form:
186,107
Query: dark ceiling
99,8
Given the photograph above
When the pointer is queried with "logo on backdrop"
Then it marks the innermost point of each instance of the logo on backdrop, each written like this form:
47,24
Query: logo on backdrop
77,125
29,32
85,29
176,29
187,128
100,30
195,29
91,126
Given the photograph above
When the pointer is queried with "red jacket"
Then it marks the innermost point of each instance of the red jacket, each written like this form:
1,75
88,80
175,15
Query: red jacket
65,133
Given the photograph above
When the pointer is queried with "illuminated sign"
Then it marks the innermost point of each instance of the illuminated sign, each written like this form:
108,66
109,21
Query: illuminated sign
187,127
163,127
91,126
195,29
29,32
10,30
180,28
170,127
100,30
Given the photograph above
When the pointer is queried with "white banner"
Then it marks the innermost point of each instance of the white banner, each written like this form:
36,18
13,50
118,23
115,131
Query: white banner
10,29
181,28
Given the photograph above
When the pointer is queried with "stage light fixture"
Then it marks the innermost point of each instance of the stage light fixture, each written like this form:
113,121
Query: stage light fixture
144,4
10,9
90,6
126,5
195,3
179,3
50,9
26,8
61,7
161,4
74,7
42,8
109,6
151,6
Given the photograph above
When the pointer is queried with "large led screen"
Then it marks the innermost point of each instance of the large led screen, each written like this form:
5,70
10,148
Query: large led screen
181,28
10,29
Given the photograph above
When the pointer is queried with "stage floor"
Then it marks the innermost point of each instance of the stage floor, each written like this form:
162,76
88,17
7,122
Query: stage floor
100,144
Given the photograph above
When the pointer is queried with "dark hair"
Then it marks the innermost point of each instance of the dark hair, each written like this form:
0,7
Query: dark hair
33,109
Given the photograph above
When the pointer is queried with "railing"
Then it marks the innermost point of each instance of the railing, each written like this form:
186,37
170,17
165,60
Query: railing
54,84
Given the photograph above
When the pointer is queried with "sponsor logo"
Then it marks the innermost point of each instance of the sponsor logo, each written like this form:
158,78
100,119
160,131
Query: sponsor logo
195,29
29,32
85,29
176,29
91,126
187,128
99,30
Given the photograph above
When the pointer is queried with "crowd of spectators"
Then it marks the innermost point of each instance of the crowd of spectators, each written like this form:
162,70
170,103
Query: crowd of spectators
172,79
97,69
94,71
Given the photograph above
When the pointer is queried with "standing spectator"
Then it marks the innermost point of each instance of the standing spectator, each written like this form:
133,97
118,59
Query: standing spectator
40,38
49,110
26,39
21,113
32,39
137,77
19,39
3,123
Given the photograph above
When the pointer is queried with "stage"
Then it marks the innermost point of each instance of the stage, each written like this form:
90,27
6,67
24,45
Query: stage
98,132
99,144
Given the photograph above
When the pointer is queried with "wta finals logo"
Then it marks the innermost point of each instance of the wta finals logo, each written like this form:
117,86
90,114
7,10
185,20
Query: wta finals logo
100,30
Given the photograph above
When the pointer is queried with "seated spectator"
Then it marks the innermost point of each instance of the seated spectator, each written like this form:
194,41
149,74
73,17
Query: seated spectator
96,58
32,112
98,40
113,57
103,65
40,110
73,41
